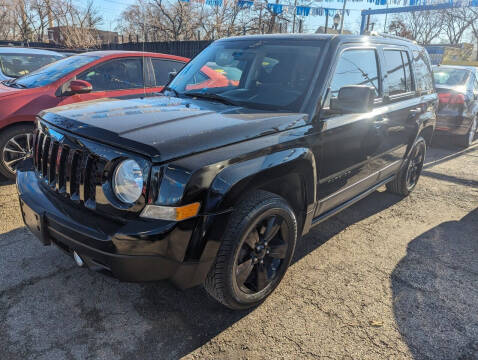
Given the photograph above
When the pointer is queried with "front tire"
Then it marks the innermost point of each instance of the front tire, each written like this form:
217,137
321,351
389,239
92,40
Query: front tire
407,179
256,251
15,146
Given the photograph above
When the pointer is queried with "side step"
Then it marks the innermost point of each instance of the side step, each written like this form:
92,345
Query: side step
350,202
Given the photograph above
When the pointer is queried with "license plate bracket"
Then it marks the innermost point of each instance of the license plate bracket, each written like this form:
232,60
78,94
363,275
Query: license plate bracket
35,222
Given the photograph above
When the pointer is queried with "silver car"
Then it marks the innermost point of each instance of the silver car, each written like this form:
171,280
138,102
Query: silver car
16,62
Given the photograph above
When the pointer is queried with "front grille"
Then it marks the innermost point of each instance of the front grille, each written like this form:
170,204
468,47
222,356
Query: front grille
66,169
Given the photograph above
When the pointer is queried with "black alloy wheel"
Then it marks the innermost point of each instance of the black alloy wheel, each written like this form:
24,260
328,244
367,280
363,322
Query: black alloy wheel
256,250
415,166
262,253
407,178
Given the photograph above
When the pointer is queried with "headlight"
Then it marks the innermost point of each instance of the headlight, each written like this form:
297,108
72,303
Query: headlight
128,181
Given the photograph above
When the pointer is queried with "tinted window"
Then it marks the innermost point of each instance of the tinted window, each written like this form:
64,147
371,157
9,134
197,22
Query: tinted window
266,74
50,73
118,74
162,68
450,76
397,68
15,65
423,72
355,67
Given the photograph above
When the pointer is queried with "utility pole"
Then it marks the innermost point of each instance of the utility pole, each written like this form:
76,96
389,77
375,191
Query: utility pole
385,23
342,18
273,21
326,21
295,12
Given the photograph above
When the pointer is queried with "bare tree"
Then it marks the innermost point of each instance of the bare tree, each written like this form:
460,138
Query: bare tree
77,27
474,25
7,24
455,22
422,26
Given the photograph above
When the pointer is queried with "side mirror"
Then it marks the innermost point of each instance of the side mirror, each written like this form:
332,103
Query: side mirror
353,99
172,75
80,87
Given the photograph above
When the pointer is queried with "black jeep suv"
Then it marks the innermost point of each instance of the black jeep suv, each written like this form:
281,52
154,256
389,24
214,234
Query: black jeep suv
214,181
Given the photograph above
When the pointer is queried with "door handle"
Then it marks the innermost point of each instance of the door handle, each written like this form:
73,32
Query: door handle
381,121
415,112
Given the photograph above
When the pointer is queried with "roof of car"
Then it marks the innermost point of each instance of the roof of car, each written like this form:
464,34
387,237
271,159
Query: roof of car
470,68
20,50
341,38
104,53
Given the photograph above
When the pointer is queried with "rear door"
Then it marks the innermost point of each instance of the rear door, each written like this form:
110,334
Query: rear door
401,107
348,139
162,68
116,78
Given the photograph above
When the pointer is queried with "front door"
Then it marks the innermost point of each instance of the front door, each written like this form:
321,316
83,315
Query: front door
347,140
117,78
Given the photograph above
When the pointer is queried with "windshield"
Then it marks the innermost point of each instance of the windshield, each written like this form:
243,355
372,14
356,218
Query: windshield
450,77
265,74
50,73
15,65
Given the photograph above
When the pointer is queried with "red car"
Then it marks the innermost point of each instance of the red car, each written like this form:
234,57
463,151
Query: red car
83,77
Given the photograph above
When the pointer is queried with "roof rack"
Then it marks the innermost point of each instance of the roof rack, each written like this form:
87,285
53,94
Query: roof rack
375,33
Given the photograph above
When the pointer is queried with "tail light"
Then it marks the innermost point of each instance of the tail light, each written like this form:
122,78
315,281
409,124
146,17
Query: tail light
449,98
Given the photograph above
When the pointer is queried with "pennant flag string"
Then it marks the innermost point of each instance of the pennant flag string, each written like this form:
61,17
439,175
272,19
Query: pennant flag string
278,9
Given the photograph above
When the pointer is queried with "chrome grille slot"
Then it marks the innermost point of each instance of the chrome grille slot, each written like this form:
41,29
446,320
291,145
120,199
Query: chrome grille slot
75,176
51,164
44,156
62,156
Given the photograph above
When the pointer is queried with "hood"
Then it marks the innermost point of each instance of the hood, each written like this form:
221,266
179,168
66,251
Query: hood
164,127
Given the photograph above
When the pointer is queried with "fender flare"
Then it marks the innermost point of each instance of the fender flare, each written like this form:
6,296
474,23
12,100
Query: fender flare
229,184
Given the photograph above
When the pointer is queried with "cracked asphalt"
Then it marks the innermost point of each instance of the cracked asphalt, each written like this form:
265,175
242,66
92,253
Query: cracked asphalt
389,278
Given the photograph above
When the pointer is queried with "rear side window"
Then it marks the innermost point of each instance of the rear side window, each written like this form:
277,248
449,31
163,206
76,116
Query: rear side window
397,67
423,72
356,67
162,68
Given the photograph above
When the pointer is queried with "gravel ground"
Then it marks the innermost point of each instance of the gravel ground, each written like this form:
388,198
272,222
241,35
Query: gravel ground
389,278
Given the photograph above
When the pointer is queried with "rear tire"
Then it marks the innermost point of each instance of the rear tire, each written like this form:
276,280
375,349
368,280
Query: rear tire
466,140
15,145
407,178
256,251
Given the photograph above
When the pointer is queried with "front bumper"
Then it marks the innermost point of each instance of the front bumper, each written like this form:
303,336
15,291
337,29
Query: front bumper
136,250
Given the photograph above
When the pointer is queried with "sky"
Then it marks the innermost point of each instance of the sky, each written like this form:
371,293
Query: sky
111,11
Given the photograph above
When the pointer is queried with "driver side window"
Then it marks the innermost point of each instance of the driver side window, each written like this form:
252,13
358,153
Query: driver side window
355,67
118,74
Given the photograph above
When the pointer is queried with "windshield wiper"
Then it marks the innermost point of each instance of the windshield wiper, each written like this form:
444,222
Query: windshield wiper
12,83
211,96
167,88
